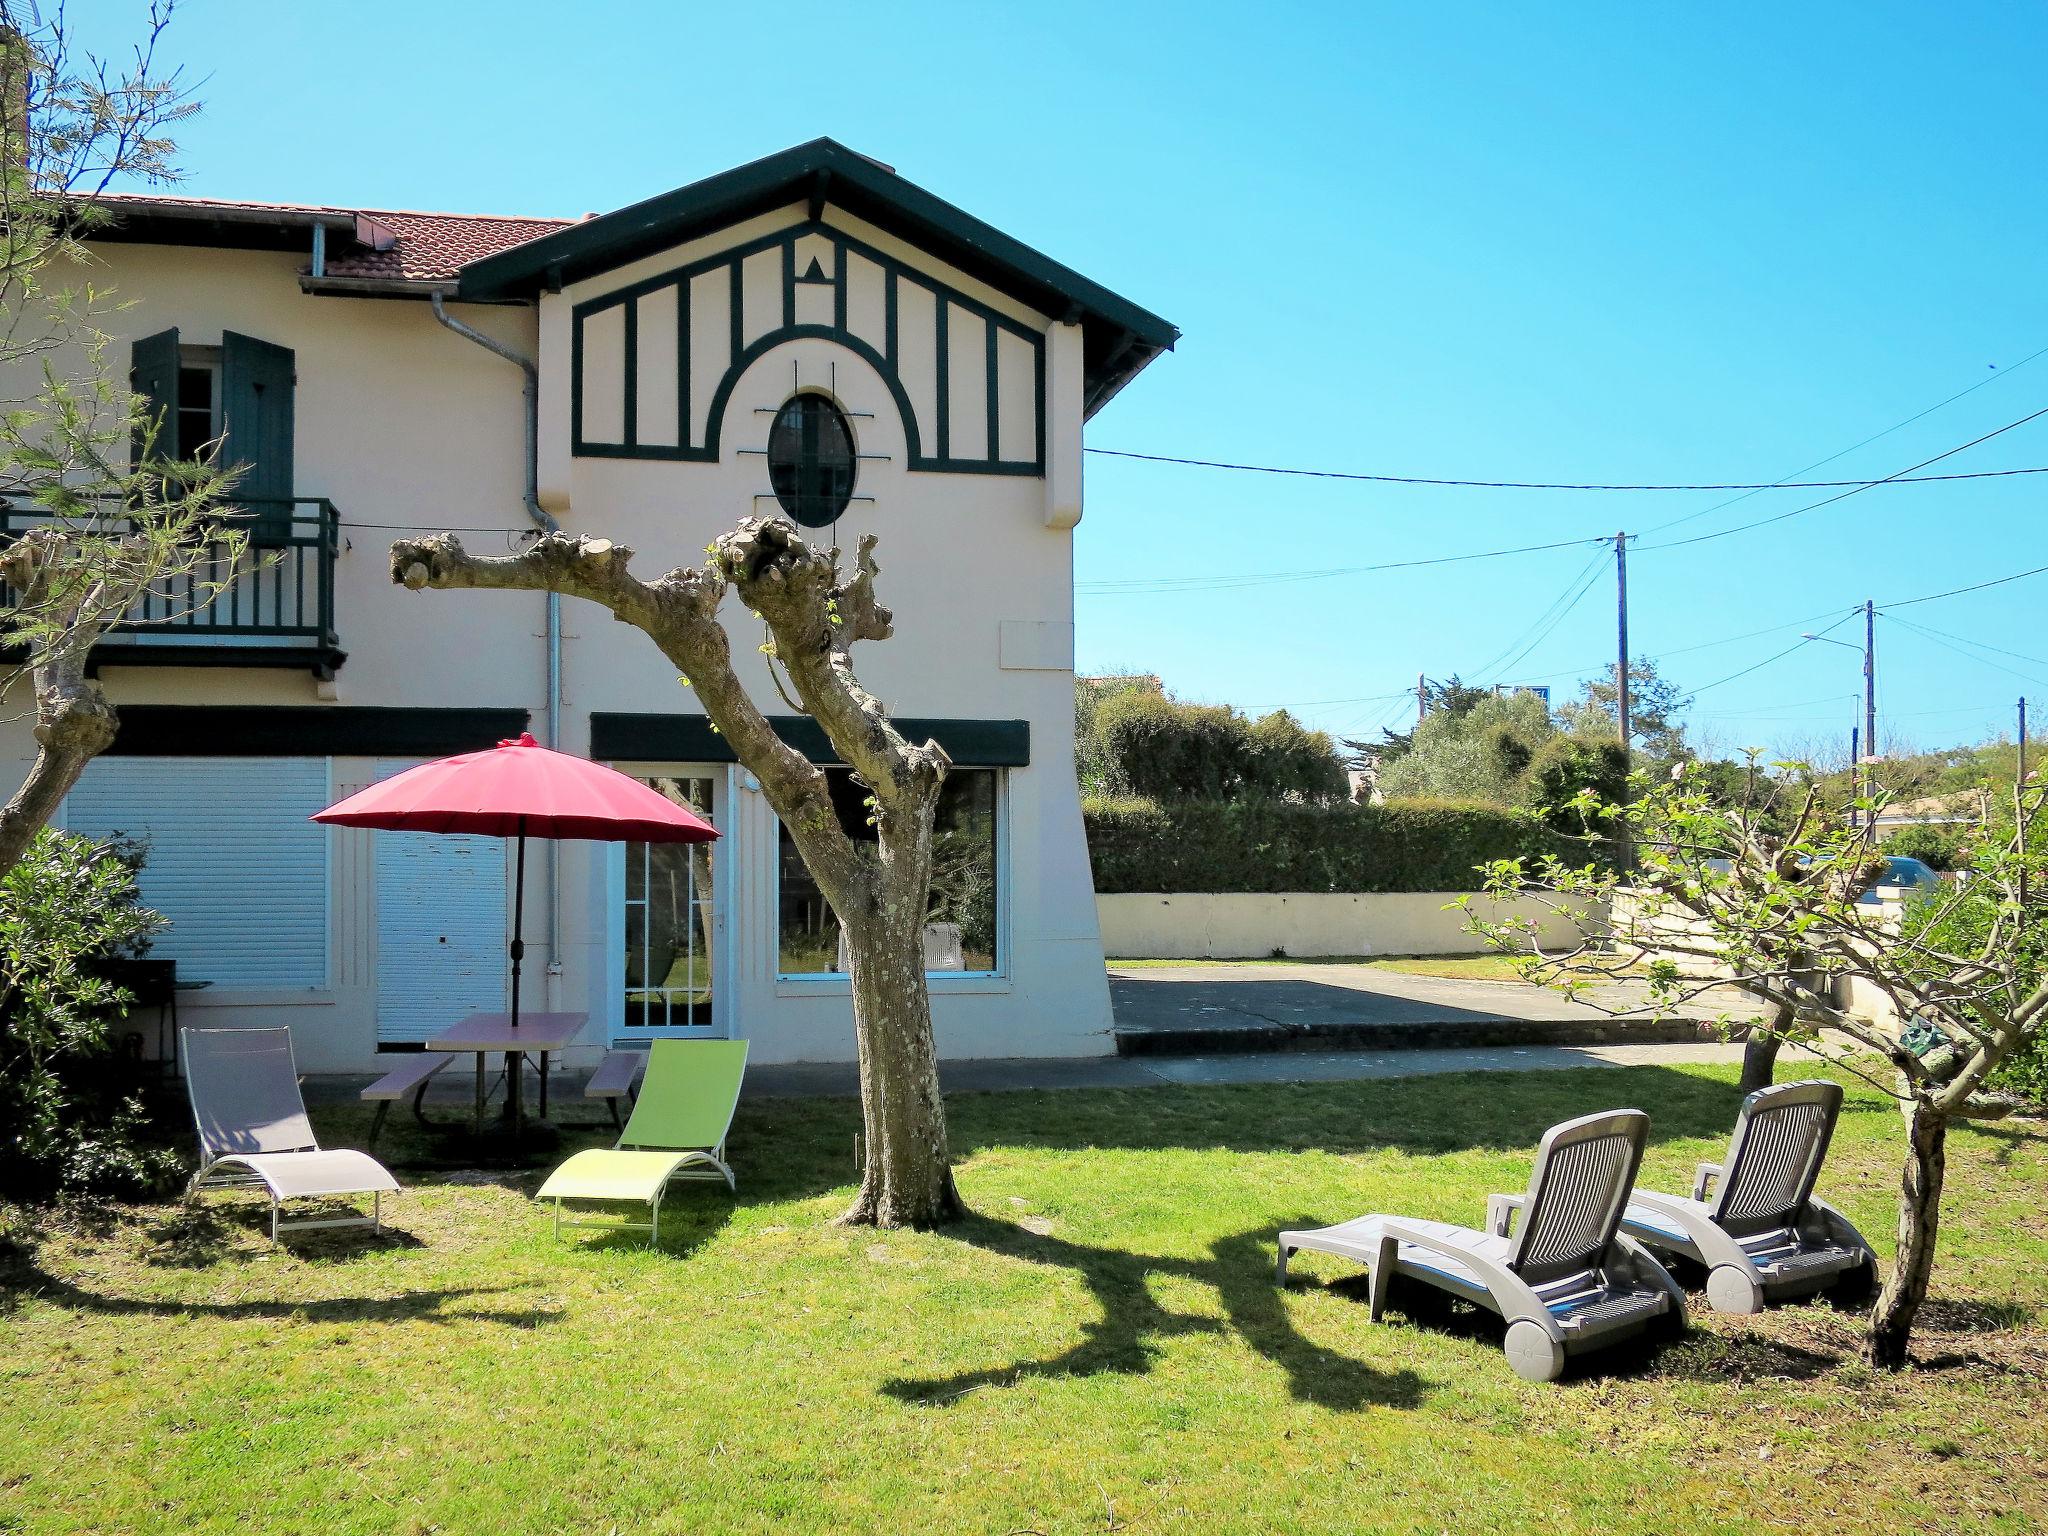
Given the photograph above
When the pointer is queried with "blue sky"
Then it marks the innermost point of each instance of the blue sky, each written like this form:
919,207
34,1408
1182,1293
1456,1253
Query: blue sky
1575,243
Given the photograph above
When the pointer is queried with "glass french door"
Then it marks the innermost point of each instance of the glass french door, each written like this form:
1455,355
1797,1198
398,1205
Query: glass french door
671,926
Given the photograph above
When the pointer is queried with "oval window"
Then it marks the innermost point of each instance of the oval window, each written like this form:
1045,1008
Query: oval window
810,460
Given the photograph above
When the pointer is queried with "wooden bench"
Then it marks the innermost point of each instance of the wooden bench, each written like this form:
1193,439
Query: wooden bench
410,1076
617,1077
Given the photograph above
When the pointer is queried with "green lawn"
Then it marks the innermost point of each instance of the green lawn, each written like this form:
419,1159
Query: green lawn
1100,1349
1460,967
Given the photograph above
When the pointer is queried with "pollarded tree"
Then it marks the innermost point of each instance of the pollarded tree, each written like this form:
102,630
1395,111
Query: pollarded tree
880,891
1719,898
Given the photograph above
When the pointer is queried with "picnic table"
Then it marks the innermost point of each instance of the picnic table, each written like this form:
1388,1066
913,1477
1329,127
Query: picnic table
536,1034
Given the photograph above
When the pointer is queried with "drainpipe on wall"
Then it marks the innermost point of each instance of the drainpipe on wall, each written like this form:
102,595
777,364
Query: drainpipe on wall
544,520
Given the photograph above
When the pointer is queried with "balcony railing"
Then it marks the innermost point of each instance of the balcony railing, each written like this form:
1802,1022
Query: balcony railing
272,607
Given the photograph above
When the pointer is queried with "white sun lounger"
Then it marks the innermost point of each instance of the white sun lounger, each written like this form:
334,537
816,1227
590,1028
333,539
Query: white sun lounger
1567,1280
1764,1236
253,1131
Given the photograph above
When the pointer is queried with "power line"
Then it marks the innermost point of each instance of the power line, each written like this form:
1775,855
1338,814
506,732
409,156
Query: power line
1145,585
1751,487
1844,453
1759,666
1982,645
1828,501
1905,602
1247,579
1997,581
1565,600
1982,661
1585,585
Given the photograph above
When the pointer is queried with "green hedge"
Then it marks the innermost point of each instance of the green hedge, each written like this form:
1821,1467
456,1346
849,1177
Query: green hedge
1266,845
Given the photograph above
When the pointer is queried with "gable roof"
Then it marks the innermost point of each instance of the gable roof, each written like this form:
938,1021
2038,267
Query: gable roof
365,246
487,258
1120,337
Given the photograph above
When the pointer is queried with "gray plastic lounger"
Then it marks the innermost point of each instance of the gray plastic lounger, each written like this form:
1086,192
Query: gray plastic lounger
1567,1281
1764,1237
253,1132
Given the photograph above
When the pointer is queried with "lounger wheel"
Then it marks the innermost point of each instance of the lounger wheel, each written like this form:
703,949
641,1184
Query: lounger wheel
1532,1353
1730,1289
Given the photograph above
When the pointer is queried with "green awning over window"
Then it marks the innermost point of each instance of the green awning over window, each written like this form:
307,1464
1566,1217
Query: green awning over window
630,738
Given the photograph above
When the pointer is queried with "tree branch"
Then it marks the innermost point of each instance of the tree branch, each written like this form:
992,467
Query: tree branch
679,612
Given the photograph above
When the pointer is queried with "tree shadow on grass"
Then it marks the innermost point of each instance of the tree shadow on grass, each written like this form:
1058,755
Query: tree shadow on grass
1125,1339
198,1236
2009,1137
21,1278
1421,1115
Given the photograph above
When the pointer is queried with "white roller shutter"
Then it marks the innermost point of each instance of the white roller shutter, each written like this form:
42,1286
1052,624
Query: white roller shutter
233,861
441,929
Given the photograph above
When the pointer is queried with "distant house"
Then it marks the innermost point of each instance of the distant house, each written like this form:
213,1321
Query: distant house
810,336
1967,807
1124,682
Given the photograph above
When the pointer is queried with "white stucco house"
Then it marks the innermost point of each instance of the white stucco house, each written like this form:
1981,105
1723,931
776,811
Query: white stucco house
810,333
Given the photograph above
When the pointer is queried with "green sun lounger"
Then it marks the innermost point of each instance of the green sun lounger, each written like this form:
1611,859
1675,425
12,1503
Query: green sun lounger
676,1131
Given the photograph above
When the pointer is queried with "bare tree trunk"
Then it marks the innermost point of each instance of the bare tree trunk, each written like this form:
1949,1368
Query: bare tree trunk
1760,1050
74,725
1891,1321
907,1176
74,721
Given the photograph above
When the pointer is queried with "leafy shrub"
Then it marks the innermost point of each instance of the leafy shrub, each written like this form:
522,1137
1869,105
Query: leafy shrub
1960,926
68,1120
1565,765
1479,752
1271,846
1144,743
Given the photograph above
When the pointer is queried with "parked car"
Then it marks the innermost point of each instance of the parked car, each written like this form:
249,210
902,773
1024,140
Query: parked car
1900,873
1911,874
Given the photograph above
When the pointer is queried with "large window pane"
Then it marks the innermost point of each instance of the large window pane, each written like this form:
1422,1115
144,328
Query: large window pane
961,933
668,922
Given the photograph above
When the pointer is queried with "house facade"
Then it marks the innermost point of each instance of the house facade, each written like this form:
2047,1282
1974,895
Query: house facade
810,336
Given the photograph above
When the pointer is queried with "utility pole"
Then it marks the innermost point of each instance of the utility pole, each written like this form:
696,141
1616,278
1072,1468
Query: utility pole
2023,740
1869,695
1855,757
1421,697
1621,663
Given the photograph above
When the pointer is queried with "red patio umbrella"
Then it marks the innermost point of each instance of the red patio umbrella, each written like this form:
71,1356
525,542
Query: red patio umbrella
521,789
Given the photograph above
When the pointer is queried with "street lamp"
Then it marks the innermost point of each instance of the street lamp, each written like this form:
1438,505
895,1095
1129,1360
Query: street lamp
1869,649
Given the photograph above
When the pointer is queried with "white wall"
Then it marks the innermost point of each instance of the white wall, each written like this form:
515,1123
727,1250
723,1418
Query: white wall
1237,925
406,426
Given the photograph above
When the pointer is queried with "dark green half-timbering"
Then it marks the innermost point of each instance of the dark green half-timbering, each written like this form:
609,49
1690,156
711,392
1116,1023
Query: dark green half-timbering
633,738
308,730
981,410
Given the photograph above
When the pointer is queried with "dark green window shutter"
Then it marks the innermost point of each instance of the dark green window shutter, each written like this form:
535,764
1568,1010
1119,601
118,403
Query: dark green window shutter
153,374
256,384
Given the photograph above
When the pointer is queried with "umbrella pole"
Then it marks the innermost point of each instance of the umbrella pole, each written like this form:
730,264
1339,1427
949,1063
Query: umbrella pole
518,946
514,1066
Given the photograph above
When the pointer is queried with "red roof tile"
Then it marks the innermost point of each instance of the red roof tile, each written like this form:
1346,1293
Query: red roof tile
425,246
392,245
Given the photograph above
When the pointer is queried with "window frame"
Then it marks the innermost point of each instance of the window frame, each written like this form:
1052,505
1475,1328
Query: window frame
795,514
938,983
209,361
608,893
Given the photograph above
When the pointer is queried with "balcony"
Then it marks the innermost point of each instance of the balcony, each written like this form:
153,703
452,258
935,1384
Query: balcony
272,608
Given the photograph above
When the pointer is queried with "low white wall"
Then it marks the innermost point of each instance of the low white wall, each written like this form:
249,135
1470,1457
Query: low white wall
1238,926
